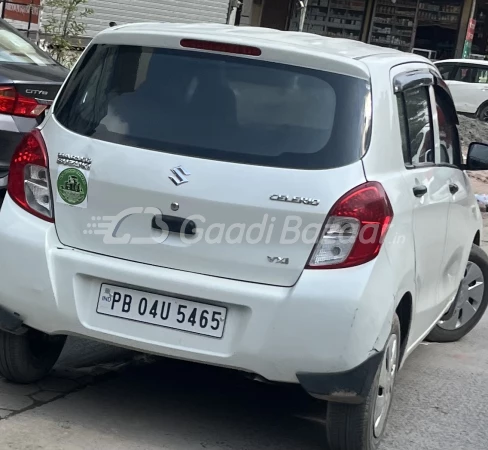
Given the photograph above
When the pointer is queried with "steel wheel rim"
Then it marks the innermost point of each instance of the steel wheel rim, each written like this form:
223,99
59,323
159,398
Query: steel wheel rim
468,299
484,115
389,367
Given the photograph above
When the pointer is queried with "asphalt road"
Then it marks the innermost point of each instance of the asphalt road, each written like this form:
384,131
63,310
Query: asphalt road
441,402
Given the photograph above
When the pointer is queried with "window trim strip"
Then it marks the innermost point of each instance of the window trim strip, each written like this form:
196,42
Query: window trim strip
413,79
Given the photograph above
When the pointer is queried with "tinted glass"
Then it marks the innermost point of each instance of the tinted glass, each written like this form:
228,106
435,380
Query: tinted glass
481,75
16,49
448,133
445,70
404,129
472,74
466,74
216,107
421,138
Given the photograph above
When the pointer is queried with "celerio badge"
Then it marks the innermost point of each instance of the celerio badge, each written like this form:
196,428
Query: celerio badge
299,200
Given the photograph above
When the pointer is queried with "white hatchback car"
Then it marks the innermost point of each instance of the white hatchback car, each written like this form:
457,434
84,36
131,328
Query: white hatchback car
468,82
280,203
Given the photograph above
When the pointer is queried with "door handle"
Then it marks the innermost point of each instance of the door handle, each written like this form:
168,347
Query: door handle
420,191
453,188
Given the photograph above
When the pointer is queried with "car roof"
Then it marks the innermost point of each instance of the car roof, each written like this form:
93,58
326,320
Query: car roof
299,41
464,61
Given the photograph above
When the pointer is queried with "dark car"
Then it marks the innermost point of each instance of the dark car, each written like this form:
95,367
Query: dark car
29,82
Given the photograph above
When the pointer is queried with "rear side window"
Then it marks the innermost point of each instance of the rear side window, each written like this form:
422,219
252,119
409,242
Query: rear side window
472,74
216,107
14,48
448,132
465,74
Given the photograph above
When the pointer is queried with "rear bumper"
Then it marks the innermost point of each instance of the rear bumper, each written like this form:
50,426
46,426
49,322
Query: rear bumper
350,386
328,323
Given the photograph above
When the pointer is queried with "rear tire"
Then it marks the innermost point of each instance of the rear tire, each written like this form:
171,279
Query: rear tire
29,357
483,113
476,273
358,427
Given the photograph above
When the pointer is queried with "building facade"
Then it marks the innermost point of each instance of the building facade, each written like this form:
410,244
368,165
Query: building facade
25,15
440,26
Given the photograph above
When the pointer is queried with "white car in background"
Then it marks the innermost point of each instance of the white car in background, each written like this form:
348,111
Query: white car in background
468,82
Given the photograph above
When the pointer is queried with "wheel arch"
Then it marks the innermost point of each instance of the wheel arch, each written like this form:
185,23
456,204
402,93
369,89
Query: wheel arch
404,312
477,238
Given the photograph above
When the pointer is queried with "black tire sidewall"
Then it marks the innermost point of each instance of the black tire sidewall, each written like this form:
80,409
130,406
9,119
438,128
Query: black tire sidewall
350,427
19,364
481,111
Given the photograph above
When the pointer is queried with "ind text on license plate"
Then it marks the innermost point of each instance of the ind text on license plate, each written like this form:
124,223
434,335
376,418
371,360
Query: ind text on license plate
168,312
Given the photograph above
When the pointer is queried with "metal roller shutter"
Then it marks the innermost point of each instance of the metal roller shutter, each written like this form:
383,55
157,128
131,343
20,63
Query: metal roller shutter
129,11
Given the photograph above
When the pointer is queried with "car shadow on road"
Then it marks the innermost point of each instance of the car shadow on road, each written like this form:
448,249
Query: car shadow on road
181,406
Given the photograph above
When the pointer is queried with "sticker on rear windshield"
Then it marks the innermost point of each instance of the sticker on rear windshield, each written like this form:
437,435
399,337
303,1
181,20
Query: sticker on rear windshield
72,187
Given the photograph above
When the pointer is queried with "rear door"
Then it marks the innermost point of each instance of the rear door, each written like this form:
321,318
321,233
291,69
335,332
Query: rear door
429,190
461,228
202,162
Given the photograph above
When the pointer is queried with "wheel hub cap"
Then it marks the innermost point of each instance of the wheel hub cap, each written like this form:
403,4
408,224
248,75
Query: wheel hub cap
385,387
468,299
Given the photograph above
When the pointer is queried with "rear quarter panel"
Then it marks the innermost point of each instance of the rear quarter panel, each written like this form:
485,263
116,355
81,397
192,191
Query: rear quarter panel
383,162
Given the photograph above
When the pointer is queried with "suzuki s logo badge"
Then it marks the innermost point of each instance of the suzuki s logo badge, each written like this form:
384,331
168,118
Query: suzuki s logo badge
278,260
180,175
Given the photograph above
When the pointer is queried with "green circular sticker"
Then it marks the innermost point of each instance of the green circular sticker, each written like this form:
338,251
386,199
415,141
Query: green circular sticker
72,186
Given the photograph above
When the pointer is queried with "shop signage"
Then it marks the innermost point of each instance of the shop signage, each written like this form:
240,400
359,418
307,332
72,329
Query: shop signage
469,38
24,11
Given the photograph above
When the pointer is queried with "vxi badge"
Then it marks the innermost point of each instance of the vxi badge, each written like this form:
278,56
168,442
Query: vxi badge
278,260
302,200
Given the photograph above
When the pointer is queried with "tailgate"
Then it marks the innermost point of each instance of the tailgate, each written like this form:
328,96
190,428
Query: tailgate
239,228
206,163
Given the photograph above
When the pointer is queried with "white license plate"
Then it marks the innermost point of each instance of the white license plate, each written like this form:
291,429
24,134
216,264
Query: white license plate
164,311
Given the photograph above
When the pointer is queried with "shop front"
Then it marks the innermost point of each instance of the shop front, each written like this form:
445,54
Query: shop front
479,48
436,26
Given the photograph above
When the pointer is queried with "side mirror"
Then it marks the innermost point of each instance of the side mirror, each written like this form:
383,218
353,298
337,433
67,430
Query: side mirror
477,156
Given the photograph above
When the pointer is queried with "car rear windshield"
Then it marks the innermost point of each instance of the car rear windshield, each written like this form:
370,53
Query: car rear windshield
16,49
217,107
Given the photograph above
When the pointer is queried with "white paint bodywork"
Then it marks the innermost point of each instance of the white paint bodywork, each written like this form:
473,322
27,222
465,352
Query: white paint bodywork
281,320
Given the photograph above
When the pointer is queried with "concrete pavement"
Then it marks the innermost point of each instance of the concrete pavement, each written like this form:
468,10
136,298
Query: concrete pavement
81,363
440,403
